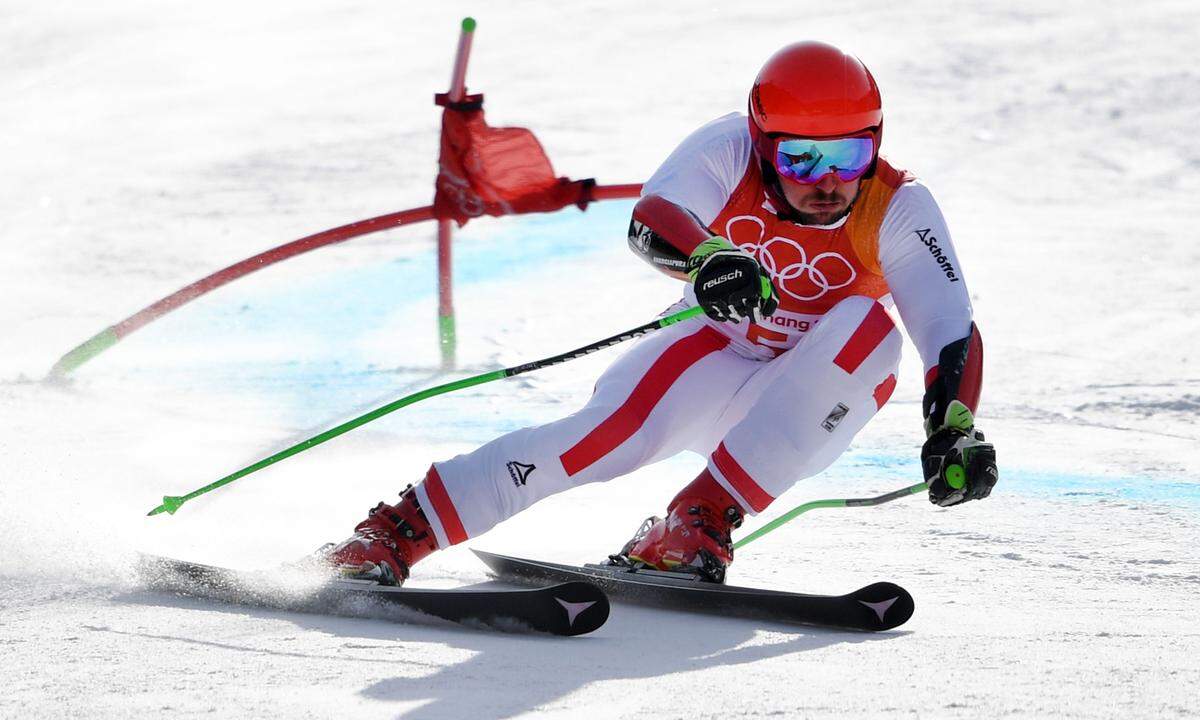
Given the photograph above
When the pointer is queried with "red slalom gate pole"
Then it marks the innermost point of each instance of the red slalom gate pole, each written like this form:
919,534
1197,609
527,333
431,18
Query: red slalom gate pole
447,335
111,335
616,192
458,80
447,338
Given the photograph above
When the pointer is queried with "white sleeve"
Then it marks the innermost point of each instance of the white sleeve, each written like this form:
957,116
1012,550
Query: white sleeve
923,273
706,168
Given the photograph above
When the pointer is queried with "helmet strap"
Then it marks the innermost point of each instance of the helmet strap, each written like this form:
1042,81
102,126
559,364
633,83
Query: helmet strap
878,133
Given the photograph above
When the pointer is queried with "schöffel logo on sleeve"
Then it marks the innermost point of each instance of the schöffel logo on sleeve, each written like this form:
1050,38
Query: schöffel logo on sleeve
943,261
519,471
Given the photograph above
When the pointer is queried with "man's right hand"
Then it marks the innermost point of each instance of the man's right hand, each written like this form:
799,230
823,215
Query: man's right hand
729,282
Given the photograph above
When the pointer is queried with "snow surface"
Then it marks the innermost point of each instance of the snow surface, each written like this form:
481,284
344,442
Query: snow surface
147,143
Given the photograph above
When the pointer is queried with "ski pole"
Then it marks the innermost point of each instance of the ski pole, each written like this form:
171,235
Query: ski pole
171,503
842,502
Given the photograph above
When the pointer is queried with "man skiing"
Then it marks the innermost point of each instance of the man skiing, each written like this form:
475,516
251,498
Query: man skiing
792,234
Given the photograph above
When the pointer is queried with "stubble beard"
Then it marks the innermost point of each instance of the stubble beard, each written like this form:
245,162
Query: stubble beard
825,217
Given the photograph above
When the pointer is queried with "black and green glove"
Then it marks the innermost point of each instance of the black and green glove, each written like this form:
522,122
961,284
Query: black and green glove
729,282
958,464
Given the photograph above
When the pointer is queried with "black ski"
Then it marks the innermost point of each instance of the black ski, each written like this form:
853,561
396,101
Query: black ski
570,608
880,606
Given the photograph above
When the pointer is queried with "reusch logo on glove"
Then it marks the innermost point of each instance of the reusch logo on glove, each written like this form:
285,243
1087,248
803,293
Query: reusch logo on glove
734,275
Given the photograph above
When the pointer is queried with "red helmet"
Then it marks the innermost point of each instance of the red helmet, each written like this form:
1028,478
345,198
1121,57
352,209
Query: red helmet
811,89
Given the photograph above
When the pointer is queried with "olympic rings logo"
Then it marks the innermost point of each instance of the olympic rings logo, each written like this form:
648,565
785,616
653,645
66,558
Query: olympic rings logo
788,264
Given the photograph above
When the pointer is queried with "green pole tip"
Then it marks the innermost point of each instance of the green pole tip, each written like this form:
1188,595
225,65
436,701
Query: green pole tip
468,24
169,505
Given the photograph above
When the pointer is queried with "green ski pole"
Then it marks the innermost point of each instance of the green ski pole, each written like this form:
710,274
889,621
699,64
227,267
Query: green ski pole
842,502
172,503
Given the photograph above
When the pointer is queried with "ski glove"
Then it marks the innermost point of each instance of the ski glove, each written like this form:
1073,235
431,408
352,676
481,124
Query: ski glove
729,282
958,464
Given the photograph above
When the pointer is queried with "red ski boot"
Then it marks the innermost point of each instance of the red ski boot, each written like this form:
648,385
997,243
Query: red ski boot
386,545
695,537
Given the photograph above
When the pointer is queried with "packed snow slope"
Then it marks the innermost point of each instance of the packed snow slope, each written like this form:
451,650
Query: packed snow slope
146,144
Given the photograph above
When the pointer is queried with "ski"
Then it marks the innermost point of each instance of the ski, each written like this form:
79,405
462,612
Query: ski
880,606
574,607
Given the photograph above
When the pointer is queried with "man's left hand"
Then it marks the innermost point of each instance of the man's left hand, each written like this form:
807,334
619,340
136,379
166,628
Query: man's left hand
729,283
958,465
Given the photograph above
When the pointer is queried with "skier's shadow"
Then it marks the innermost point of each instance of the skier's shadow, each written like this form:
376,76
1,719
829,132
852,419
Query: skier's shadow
511,674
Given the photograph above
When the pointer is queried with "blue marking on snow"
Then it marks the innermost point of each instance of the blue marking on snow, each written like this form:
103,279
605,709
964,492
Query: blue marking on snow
308,312
1028,482
334,303
1091,488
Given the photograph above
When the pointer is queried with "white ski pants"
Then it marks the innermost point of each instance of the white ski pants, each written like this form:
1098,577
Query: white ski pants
764,424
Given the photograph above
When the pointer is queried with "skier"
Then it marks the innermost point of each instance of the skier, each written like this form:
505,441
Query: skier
793,235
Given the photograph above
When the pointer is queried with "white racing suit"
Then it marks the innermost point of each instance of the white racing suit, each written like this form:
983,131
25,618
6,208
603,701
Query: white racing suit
768,403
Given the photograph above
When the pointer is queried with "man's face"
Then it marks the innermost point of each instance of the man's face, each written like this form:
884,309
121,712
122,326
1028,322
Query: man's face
822,203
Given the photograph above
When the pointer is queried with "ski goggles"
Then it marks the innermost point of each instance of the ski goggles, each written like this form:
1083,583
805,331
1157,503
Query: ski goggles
808,161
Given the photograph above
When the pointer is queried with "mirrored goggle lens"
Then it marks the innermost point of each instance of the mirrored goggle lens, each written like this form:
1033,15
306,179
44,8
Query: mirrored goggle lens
807,161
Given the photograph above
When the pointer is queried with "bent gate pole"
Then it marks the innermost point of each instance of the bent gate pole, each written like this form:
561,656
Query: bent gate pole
112,334
108,337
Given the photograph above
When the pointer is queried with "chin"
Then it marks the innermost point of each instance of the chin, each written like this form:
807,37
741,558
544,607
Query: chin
823,217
